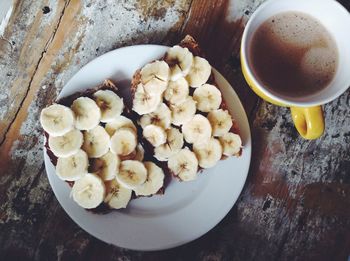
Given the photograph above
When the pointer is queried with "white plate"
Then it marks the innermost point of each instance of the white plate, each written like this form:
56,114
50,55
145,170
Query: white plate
188,209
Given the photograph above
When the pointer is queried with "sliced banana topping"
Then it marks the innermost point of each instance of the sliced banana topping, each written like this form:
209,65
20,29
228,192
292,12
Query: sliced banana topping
117,196
177,91
57,120
88,191
140,153
132,173
74,167
155,76
231,143
145,102
137,154
154,134
96,142
106,163
179,60
208,154
123,141
208,97
154,181
110,104
87,113
66,145
160,117
184,164
183,112
220,121
199,73
197,130
106,166
117,123
173,145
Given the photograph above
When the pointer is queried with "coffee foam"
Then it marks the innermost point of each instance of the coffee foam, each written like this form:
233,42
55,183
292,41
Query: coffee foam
319,62
294,54
295,29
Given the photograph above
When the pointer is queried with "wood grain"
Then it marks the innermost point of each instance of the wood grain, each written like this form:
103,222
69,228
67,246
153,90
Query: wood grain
295,204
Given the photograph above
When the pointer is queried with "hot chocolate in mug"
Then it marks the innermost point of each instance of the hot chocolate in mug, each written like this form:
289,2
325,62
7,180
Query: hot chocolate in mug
306,109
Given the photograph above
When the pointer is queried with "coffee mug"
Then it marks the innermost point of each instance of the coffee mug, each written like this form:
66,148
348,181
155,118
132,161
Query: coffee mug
306,111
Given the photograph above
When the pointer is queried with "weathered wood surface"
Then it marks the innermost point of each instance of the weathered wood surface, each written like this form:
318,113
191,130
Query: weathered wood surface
296,202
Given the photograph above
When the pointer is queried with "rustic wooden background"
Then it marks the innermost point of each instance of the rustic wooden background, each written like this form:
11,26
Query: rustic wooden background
296,202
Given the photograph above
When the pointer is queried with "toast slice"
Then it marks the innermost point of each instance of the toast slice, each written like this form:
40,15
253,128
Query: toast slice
68,100
125,95
189,43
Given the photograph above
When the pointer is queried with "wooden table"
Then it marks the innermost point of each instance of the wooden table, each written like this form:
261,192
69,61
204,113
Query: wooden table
296,201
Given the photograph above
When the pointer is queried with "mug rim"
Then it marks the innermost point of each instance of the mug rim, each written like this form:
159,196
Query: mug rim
264,90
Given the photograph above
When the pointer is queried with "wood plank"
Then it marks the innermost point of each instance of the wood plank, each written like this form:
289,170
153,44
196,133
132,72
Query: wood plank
20,63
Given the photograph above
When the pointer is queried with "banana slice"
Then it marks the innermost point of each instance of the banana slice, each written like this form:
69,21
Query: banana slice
89,191
154,134
197,130
117,196
123,141
184,164
57,120
208,97
231,143
66,145
220,121
106,166
87,113
179,60
110,104
183,112
96,142
73,167
154,181
144,102
132,173
177,91
199,73
137,154
160,117
155,76
173,145
208,154
117,123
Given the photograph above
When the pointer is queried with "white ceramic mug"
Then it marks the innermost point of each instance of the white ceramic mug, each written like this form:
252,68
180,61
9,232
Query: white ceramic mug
306,111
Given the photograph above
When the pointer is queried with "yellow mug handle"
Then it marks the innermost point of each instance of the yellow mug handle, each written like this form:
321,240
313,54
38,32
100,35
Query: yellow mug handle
308,121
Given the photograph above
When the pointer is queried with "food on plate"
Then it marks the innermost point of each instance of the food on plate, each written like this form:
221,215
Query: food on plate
89,191
184,165
93,142
173,144
117,196
67,144
197,130
114,146
183,114
154,181
57,120
73,167
87,113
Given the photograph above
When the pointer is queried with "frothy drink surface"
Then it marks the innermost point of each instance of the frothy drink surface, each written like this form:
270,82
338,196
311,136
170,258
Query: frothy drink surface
292,54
